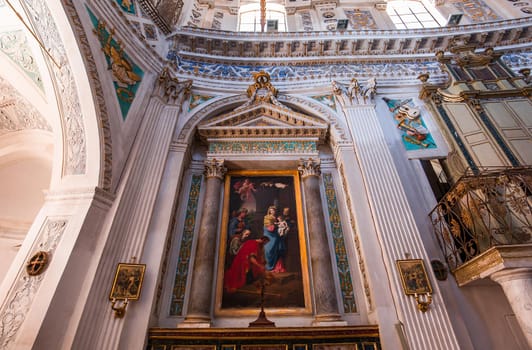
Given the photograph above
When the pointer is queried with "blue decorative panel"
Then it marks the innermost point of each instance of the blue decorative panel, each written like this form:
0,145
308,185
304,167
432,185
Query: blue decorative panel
342,264
180,282
300,71
409,121
126,74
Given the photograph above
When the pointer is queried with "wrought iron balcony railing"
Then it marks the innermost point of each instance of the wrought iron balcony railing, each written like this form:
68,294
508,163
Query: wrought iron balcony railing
485,208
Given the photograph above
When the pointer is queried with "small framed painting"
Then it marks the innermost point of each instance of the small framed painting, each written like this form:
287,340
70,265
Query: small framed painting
414,276
127,283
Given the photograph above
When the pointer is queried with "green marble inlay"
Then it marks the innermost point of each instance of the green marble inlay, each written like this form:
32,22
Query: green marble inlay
14,45
327,100
127,6
263,147
342,263
180,282
126,74
196,100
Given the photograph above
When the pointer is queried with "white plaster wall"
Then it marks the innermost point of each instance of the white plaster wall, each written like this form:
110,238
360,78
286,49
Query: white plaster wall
22,190
490,309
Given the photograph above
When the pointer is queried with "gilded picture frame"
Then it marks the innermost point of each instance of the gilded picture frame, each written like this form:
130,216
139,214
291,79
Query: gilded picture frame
127,283
414,276
248,200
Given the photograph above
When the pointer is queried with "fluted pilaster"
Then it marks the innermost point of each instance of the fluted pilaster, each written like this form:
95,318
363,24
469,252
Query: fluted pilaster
127,234
396,229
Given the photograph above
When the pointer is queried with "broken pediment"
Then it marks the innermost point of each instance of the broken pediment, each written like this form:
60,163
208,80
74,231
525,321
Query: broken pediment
261,117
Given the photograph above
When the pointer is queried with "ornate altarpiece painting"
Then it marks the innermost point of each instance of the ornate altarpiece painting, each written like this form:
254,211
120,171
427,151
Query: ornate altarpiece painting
267,203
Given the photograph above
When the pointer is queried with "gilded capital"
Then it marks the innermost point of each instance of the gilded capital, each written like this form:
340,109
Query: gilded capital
170,89
309,167
215,168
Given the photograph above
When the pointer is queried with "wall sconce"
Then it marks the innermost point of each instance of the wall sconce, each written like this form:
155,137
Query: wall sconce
416,282
126,286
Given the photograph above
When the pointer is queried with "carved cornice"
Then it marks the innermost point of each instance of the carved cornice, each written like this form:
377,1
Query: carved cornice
263,120
493,260
262,116
468,86
344,47
337,131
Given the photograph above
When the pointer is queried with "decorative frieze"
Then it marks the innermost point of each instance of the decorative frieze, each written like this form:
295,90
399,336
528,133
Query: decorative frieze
66,90
185,249
262,147
360,256
342,262
290,72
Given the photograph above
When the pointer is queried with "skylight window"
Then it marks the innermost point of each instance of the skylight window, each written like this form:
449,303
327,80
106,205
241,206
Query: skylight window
250,17
412,15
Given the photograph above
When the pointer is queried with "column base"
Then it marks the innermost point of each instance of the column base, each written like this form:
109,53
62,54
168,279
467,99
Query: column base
328,321
196,321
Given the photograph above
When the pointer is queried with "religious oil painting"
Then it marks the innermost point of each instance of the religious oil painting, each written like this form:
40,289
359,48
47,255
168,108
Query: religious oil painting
128,282
414,276
263,259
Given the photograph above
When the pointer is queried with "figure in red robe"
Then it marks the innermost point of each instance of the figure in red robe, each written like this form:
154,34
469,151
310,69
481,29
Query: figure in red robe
247,266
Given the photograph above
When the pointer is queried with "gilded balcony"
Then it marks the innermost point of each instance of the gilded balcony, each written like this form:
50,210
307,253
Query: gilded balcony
484,210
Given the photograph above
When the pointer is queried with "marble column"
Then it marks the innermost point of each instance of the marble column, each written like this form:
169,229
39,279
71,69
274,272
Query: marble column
199,307
517,286
320,257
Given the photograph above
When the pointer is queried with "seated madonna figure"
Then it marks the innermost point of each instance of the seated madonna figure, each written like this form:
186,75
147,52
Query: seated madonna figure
275,249
247,265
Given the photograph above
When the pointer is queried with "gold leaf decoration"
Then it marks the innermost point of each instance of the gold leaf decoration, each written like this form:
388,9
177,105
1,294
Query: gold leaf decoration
455,228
